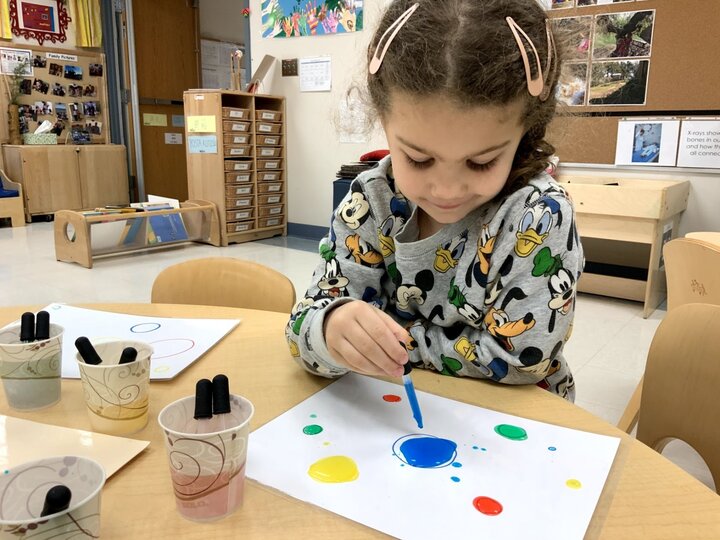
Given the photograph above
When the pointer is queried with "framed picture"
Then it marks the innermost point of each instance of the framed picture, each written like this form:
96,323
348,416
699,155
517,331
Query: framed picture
41,20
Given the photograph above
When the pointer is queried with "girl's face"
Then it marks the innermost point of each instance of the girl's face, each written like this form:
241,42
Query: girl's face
448,160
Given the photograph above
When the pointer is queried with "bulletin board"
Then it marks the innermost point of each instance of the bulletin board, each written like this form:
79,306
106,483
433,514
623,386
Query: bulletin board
682,75
66,87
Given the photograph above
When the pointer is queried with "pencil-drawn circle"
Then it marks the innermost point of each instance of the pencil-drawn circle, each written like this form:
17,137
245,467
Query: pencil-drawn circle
144,328
165,348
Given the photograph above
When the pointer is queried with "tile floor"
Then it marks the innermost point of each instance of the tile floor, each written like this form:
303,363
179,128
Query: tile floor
606,352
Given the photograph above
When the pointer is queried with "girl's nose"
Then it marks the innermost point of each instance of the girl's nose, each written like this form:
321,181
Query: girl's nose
448,188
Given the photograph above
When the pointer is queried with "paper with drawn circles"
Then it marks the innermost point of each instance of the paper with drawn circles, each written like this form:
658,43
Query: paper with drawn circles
177,342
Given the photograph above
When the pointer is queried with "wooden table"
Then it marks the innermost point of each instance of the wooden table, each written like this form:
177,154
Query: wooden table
646,496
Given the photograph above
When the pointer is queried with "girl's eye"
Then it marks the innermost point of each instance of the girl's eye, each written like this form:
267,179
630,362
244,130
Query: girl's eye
420,164
481,166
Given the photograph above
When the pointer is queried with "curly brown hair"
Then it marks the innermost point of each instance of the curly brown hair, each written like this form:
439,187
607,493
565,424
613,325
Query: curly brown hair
465,51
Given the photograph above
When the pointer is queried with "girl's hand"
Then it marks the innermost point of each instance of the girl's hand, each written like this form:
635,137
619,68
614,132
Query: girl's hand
366,339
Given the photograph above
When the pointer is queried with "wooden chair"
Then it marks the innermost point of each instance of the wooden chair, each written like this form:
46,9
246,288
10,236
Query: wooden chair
12,207
692,268
682,377
220,281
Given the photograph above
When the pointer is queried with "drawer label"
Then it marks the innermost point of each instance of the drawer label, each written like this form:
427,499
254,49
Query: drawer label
274,188
265,128
273,200
268,116
275,210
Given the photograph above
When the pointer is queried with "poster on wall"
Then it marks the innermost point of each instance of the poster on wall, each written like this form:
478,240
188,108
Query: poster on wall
297,18
11,59
647,142
40,20
699,144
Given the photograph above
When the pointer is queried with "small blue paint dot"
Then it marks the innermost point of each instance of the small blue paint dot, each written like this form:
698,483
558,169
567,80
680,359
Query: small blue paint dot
484,449
457,465
475,447
552,448
402,464
454,479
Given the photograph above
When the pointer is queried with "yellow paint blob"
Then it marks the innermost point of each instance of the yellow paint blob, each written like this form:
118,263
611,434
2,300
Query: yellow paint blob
334,470
573,484
326,443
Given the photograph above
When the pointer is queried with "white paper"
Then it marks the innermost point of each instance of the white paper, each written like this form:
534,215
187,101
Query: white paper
173,138
202,144
155,199
177,342
315,74
699,144
11,58
647,142
528,477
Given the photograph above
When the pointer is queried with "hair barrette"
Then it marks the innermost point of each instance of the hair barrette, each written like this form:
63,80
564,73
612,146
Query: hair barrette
537,86
395,27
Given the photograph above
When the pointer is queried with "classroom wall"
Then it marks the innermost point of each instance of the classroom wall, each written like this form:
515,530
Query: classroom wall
314,153
222,20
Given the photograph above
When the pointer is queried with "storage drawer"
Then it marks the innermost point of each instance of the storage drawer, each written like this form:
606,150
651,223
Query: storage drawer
238,177
239,215
239,190
270,116
273,198
264,164
267,127
269,151
237,138
274,187
235,113
269,176
231,126
238,150
264,211
270,140
231,165
239,202
270,222
240,226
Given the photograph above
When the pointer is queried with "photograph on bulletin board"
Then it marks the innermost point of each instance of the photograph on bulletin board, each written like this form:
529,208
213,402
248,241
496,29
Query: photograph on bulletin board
619,83
647,142
574,33
297,18
582,3
572,86
623,35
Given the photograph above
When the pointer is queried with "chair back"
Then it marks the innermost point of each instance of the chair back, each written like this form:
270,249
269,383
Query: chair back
692,268
223,281
682,377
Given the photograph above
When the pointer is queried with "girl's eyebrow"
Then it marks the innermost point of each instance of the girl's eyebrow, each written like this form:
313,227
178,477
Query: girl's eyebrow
475,154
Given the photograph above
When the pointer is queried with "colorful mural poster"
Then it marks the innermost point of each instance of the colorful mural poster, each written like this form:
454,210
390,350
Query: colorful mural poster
296,18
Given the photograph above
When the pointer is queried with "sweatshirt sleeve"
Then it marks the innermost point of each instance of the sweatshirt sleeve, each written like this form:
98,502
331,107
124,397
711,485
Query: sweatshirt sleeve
517,301
349,268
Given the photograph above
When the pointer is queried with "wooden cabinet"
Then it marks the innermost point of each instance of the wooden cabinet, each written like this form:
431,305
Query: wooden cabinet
237,160
624,223
68,177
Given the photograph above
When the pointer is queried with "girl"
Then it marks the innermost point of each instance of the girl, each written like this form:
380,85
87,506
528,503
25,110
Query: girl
458,252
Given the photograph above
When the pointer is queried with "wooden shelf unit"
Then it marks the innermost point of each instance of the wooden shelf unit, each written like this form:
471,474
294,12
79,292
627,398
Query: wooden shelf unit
247,175
73,231
624,223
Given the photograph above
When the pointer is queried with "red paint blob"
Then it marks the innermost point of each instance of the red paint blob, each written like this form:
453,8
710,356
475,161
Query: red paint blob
487,506
392,398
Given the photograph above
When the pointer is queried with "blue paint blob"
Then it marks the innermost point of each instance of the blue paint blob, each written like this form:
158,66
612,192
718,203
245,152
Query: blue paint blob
457,464
475,447
454,479
425,452
484,449
552,448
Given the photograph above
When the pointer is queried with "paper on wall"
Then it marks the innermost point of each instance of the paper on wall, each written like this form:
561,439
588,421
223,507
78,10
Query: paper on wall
315,74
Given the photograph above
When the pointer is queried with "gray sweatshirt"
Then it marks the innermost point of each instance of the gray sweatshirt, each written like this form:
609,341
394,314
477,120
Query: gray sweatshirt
491,296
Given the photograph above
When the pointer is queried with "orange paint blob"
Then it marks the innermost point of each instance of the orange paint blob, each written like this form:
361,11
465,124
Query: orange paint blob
488,506
392,398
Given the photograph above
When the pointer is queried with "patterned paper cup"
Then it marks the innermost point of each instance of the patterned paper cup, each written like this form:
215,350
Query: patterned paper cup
207,469
116,395
30,372
22,498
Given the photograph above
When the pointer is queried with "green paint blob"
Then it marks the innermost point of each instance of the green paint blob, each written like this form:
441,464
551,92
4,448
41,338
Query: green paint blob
514,433
312,429
313,416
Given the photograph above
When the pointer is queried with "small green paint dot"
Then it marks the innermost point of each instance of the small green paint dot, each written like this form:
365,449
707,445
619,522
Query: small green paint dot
313,416
475,447
6,471
514,433
312,429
